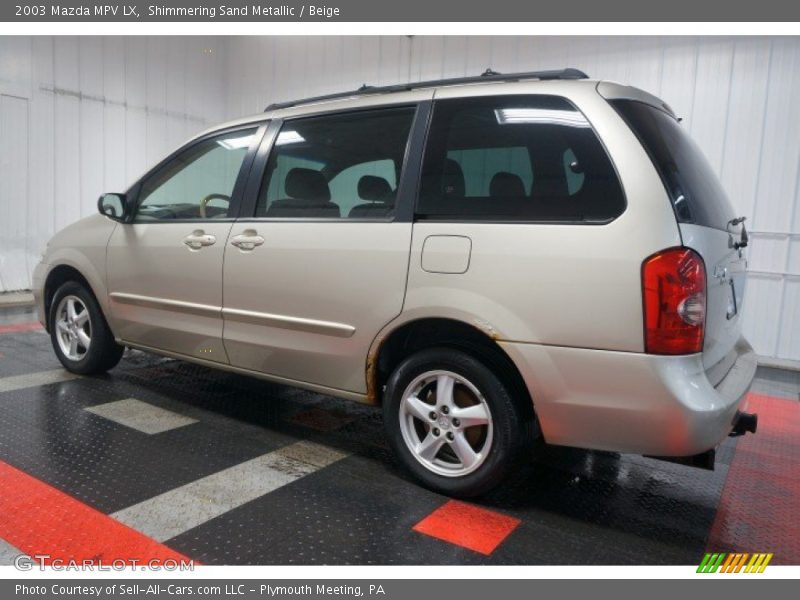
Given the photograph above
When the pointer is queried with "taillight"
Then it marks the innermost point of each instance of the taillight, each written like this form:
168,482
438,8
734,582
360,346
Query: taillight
674,290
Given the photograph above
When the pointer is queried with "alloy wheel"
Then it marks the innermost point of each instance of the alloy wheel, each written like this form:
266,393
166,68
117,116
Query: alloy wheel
73,328
446,423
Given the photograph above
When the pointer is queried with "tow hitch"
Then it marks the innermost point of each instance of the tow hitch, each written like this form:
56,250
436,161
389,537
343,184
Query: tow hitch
743,423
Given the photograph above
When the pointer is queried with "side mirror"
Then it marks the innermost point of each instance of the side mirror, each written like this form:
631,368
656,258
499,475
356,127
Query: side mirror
113,206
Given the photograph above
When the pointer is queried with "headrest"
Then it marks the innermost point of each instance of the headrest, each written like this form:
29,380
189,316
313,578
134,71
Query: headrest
374,188
453,180
506,185
307,184
297,208
374,210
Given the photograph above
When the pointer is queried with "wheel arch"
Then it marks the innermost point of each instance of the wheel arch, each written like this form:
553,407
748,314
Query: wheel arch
400,340
58,276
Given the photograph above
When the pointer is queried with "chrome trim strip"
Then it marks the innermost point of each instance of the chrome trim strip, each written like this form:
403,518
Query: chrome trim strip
296,323
203,310
234,314
328,391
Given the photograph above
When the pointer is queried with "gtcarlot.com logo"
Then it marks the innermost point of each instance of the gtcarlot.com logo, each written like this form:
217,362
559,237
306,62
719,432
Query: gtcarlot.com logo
23,562
721,562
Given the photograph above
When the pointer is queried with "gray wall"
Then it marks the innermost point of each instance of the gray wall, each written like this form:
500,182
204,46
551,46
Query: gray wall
99,110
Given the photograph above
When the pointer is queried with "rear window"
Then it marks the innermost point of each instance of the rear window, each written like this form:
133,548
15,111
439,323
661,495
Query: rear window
516,158
696,193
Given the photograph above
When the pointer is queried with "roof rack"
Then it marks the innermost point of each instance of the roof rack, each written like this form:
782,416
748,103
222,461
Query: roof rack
487,75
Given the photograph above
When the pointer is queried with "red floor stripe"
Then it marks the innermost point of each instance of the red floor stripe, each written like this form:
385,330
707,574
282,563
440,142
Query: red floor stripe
20,327
41,520
468,526
761,498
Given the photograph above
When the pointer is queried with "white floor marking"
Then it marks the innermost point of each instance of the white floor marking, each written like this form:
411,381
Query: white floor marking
26,380
140,415
179,510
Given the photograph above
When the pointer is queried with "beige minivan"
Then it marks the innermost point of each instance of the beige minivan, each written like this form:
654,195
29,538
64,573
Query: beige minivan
494,260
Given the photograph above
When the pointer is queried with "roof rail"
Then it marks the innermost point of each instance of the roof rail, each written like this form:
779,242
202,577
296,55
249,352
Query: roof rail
487,75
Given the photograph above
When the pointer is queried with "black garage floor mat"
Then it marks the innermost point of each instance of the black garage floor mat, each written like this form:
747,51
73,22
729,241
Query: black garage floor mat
573,507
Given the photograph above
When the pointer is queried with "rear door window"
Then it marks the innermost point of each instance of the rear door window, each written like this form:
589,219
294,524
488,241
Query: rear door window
337,166
696,194
516,158
344,186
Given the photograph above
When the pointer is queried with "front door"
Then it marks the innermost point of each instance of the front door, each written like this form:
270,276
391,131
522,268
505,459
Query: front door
165,267
320,266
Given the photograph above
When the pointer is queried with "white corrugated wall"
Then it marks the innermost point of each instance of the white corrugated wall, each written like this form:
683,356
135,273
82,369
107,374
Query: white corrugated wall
84,115
740,98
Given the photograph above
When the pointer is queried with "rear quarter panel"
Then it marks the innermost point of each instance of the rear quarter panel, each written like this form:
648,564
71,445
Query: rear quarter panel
564,285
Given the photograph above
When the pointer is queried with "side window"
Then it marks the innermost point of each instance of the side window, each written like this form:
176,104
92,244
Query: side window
284,164
480,165
198,183
572,170
344,186
342,166
516,158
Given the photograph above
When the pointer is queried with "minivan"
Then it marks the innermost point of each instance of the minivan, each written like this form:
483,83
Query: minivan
499,262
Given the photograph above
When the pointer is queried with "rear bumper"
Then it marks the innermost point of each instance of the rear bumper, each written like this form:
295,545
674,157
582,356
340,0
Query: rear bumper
631,402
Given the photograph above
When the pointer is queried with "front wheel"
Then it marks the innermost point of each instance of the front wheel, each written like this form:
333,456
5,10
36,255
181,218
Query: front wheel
80,335
453,422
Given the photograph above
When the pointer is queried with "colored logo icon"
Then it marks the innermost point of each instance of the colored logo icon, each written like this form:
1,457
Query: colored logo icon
720,562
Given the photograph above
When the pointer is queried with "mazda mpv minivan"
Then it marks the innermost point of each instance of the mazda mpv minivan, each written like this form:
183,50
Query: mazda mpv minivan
494,260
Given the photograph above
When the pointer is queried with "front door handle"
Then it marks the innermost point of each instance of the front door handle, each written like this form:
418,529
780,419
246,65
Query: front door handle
247,240
198,239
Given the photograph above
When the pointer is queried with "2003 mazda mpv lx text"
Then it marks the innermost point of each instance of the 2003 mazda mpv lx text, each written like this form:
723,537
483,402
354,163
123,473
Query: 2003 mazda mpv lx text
494,260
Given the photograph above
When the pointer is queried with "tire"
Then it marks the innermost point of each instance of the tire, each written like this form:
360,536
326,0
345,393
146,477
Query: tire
68,334
496,445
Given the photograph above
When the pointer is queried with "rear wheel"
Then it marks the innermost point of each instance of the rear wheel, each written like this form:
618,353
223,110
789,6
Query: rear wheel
453,422
79,333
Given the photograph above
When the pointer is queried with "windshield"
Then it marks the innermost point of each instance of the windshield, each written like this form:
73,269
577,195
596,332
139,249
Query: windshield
696,193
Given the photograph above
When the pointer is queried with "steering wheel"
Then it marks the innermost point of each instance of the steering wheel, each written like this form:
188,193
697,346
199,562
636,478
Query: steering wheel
204,202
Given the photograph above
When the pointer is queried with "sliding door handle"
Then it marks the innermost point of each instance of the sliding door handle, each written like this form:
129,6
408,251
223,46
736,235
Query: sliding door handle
247,240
